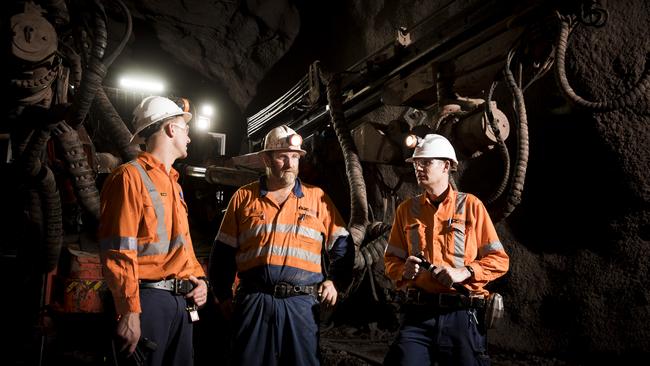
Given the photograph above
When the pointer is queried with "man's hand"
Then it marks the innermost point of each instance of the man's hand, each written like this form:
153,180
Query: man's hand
128,330
327,293
199,295
411,267
447,276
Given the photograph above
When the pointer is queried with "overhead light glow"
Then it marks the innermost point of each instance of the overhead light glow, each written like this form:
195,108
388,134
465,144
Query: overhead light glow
128,82
203,123
207,110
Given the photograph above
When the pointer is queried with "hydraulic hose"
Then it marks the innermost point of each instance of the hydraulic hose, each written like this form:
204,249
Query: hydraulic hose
353,169
624,100
43,179
83,176
373,251
519,174
127,34
111,120
74,60
94,73
53,216
503,149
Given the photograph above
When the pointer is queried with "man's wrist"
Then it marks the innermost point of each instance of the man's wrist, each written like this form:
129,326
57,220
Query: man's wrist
328,280
205,279
471,271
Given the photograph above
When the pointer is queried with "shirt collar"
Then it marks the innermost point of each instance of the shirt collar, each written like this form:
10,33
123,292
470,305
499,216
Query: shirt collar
150,162
424,198
297,188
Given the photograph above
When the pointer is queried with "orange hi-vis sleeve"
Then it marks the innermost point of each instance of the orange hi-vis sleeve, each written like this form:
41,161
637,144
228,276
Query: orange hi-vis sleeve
456,234
144,232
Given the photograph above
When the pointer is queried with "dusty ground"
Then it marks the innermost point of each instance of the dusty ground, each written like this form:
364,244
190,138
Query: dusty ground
347,346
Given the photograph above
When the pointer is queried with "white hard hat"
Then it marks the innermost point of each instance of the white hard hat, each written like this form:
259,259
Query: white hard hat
153,109
434,146
282,138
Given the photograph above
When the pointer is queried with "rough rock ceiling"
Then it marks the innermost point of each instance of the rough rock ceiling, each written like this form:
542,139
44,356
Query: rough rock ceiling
230,42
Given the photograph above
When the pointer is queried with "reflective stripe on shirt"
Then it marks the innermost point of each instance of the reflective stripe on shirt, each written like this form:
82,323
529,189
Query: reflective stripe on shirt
459,231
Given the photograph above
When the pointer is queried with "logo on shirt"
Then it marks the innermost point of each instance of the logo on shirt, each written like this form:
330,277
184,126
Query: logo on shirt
306,211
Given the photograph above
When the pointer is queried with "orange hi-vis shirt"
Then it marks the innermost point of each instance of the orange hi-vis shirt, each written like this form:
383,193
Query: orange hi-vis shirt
135,243
456,234
291,235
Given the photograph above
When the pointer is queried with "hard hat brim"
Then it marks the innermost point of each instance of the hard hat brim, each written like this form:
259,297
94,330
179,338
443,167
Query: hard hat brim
410,160
187,116
299,151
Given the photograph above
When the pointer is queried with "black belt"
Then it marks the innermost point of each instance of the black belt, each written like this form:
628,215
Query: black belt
414,296
178,287
281,290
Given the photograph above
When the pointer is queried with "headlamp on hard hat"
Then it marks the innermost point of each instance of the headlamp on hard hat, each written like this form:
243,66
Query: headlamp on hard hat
294,140
432,146
411,141
283,138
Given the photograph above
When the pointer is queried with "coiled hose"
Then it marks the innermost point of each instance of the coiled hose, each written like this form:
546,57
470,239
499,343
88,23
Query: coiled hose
43,179
353,169
94,73
503,149
519,174
624,100
77,164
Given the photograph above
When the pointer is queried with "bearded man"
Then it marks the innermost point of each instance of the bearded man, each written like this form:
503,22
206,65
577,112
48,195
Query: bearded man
273,236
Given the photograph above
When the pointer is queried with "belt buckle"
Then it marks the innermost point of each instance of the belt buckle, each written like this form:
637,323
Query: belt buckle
279,290
181,287
450,301
185,286
477,301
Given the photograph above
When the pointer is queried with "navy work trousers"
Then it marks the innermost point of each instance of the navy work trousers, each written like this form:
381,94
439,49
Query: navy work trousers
165,321
273,331
431,337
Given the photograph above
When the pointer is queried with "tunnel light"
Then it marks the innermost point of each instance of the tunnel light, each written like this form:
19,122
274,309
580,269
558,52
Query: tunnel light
204,116
203,123
140,84
207,110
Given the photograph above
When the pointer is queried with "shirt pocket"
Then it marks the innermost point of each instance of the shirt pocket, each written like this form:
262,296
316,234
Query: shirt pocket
309,230
147,231
415,234
455,240
253,228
